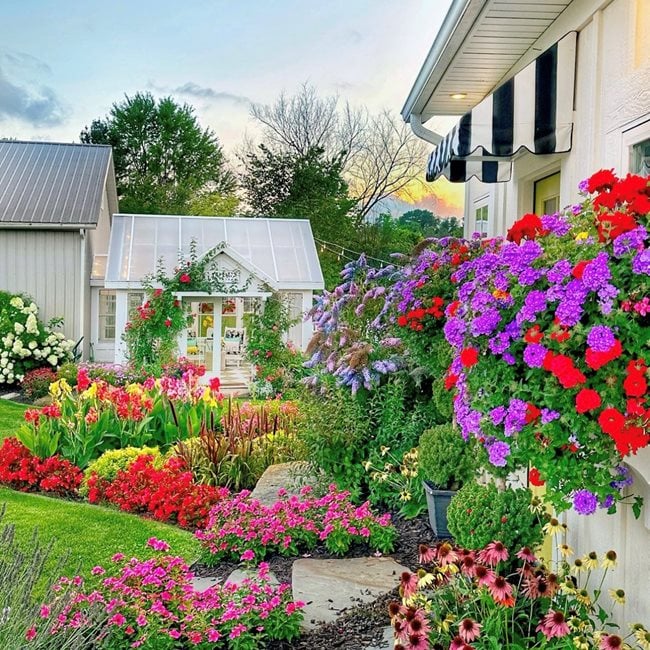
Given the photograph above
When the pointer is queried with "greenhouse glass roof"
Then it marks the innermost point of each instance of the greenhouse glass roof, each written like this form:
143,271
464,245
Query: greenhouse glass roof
283,250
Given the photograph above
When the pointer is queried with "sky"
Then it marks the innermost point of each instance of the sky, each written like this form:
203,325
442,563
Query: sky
64,63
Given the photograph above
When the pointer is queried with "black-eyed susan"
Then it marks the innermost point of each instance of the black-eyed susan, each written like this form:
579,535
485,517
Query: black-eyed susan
553,527
578,566
617,595
565,550
590,560
609,560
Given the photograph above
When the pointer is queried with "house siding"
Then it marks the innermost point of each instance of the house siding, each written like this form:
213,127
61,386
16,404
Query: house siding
45,264
612,112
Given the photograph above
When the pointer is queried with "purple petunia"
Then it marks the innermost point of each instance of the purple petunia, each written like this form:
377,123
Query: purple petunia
585,502
601,338
454,331
597,273
555,224
548,415
497,415
486,323
534,355
498,451
630,241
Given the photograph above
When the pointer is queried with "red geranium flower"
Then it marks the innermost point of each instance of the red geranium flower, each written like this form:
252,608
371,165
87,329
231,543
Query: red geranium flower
185,278
567,374
534,335
579,269
596,360
402,321
635,384
532,413
611,421
469,357
450,381
587,400
602,180
534,478
630,439
610,226
529,226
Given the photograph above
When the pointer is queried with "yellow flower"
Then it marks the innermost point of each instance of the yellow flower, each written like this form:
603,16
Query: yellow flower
367,465
609,560
134,389
383,450
578,566
405,495
642,636
565,550
553,527
426,580
590,560
446,623
90,392
582,596
59,388
581,235
618,596
581,643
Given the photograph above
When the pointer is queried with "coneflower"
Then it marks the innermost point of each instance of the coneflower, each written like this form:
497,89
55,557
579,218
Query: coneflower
611,642
484,575
527,555
408,584
609,560
468,630
501,591
617,595
446,554
590,560
493,553
426,554
553,625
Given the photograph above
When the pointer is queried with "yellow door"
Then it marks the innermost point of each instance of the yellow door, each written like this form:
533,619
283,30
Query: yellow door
547,195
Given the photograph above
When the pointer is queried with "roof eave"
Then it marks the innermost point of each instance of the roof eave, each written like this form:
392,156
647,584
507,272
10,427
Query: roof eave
36,225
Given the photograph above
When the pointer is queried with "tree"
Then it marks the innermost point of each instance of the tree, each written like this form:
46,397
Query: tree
429,225
163,158
378,153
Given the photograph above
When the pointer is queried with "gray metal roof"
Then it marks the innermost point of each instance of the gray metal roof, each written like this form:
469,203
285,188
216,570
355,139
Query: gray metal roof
45,184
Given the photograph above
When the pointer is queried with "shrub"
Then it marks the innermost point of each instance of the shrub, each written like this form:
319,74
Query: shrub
241,528
446,460
21,470
153,605
479,514
107,466
68,371
168,493
36,383
25,342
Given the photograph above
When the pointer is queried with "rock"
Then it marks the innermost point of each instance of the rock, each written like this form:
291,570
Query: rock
387,643
9,395
330,586
202,584
290,476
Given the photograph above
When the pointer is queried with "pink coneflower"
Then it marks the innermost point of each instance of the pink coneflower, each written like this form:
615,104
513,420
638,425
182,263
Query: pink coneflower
553,625
493,553
468,565
468,630
418,642
484,576
420,626
501,591
409,584
611,642
446,554
426,554
529,588
553,584
527,555
457,643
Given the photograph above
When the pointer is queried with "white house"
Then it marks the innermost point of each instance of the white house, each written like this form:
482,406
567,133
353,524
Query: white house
56,202
547,93
254,257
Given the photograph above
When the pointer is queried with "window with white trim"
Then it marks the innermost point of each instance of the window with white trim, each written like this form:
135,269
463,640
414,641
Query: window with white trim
640,158
106,315
134,300
481,215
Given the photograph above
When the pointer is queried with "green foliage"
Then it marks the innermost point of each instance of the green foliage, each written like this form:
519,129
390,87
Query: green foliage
113,461
446,459
11,417
68,371
163,158
336,432
425,223
278,365
479,514
210,204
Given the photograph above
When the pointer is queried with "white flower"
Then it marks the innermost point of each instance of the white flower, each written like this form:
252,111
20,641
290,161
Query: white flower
33,308
52,360
46,351
31,324
17,346
3,362
19,328
17,302
32,344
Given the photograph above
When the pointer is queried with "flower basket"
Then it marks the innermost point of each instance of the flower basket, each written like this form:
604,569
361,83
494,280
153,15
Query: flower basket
437,503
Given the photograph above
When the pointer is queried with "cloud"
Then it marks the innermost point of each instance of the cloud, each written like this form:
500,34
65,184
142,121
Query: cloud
203,92
39,106
26,61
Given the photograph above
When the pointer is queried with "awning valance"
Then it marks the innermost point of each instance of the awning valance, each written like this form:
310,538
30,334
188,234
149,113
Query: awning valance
533,110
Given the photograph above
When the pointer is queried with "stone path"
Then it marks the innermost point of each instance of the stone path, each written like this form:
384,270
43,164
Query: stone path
328,587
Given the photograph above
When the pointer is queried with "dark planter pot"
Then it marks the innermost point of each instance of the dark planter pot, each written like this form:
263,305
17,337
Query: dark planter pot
437,502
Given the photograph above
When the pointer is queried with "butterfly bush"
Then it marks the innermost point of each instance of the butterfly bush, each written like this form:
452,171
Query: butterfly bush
550,337
243,529
26,342
153,604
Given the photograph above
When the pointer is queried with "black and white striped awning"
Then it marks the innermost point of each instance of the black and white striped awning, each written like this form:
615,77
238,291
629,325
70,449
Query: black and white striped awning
533,110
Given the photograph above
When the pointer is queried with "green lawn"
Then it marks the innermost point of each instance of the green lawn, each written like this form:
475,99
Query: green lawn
91,533
11,417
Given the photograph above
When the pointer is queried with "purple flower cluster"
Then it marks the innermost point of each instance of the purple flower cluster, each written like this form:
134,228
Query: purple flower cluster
498,451
585,502
601,338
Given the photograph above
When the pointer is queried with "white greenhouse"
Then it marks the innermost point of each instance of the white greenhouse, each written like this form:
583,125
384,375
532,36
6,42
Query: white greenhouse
256,255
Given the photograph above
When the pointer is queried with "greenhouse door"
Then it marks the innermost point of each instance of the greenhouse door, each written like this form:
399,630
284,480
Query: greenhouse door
203,341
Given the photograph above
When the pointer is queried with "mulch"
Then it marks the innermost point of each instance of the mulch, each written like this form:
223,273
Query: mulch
358,626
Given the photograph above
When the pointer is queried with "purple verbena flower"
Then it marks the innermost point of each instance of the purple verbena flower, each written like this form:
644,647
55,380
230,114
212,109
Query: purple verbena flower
601,338
641,262
585,502
534,355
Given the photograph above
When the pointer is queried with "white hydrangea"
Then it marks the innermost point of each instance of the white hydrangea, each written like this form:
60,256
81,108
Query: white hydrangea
32,344
19,328
17,346
53,359
17,302
31,325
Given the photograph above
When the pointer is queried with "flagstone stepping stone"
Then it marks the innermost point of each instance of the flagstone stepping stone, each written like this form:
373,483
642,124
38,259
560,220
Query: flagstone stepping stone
203,584
330,586
239,575
290,476
9,395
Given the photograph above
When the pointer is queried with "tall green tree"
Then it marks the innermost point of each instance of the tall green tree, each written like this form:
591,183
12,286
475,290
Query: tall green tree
427,224
164,160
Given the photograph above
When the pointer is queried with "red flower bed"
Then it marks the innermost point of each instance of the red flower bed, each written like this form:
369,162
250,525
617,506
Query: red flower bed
21,470
167,493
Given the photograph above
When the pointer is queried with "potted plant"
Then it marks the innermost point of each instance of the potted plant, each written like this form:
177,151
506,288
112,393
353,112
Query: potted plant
446,463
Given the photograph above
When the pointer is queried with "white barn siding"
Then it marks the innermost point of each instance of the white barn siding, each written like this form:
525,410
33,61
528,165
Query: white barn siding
45,264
